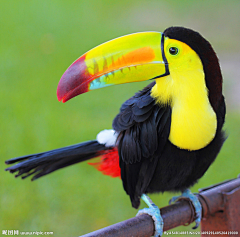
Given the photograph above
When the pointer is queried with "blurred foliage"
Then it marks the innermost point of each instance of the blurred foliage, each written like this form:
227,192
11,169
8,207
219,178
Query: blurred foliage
38,41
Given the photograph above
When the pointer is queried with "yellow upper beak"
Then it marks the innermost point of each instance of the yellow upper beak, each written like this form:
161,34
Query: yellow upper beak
130,58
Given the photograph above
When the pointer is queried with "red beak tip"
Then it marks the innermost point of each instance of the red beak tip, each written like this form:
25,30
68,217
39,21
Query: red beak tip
60,97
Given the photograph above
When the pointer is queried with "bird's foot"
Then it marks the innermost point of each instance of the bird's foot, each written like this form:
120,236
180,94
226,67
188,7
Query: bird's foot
195,202
154,212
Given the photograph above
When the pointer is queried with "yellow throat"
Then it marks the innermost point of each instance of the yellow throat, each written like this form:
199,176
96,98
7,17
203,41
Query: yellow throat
193,121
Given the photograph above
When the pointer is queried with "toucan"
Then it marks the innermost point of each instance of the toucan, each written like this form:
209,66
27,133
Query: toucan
167,135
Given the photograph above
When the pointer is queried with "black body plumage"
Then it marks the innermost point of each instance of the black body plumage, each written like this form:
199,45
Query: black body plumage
149,162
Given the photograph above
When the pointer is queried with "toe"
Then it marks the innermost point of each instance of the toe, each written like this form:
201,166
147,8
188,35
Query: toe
173,199
154,212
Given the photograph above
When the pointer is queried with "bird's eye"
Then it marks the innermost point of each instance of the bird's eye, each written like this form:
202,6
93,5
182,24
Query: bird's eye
173,50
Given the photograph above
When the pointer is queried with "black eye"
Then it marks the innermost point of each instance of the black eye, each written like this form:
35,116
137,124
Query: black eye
173,50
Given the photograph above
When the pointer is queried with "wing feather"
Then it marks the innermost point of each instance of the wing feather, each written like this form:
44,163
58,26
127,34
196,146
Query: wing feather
143,128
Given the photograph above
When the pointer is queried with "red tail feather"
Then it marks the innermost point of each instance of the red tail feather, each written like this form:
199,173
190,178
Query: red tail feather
109,163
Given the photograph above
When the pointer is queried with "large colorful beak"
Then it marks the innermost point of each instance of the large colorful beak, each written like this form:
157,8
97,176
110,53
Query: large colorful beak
130,58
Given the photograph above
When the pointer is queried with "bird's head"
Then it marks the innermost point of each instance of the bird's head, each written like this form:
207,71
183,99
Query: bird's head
165,57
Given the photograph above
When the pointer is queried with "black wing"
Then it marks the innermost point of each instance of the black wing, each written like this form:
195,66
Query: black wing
143,128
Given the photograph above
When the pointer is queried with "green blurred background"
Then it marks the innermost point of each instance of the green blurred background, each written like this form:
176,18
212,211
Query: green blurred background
38,41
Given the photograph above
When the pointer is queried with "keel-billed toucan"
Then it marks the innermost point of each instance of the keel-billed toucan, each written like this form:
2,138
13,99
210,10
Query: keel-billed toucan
167,135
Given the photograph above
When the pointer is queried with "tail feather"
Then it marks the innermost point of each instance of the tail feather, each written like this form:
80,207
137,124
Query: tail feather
44,163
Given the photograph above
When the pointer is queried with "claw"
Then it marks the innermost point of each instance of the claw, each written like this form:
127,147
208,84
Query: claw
195,202
173,199
154,212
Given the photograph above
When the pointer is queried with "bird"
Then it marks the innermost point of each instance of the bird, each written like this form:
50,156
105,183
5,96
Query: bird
166,136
